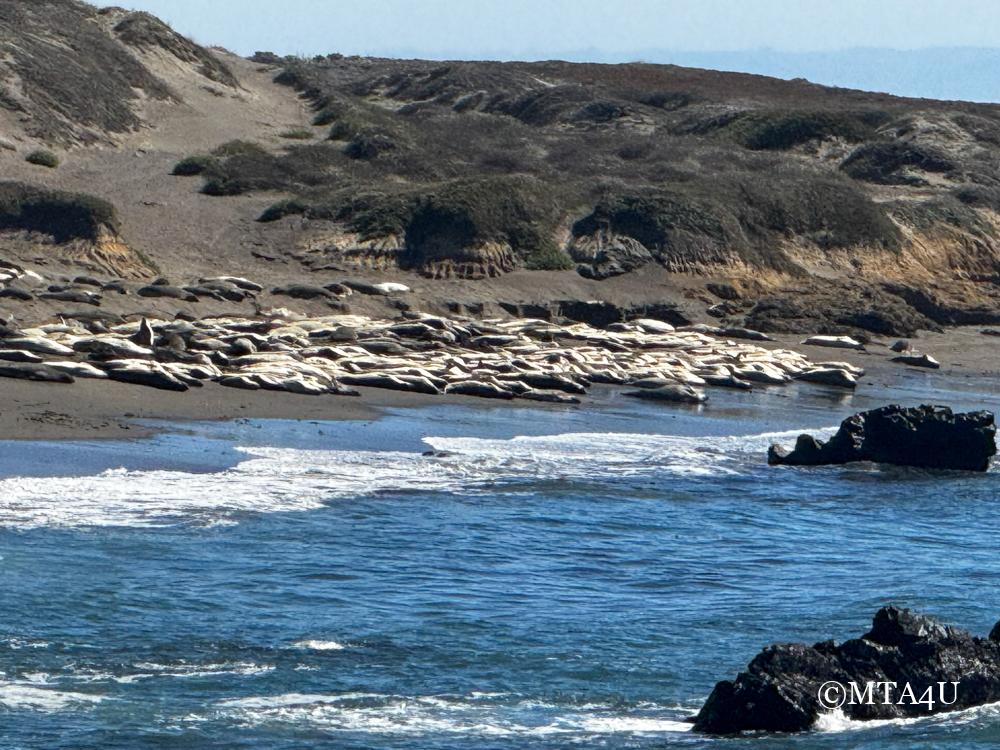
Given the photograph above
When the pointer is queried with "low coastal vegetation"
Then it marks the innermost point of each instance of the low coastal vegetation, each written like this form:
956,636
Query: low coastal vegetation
624,165
62,215
43,158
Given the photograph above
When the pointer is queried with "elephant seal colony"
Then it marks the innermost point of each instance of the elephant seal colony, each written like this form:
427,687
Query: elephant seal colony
334,354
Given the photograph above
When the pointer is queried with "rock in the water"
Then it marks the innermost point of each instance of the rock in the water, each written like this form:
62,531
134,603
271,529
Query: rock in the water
930,437
780,689
918,360
835,342
674,393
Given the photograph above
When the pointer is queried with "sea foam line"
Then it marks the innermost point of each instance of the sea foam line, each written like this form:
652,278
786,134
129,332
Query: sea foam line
286,479
417,715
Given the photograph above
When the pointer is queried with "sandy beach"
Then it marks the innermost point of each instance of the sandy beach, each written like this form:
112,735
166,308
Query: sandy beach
103,409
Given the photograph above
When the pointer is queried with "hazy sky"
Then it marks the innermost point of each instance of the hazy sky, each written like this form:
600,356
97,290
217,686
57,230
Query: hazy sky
618,29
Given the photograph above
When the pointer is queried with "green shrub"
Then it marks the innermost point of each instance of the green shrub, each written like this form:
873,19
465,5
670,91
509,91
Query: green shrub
884,162
280,210
62,215
548,258
344,130
239,148
43,158
297,134
368,146
192,165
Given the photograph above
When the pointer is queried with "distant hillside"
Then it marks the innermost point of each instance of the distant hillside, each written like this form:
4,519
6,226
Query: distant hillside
778,204
968,73
69,73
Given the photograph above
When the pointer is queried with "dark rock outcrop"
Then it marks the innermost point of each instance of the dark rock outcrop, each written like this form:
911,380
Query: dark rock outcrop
780,689
601,314
926,436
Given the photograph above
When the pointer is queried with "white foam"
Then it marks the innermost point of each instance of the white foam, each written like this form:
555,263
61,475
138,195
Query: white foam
285,479
315,645
836,721
417,715
21,696
180,670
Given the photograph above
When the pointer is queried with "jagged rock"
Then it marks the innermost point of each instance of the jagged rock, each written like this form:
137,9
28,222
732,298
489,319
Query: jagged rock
780,689
918,360
601,314
674,393
925,436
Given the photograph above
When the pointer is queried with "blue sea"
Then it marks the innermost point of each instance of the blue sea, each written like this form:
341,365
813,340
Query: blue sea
553,578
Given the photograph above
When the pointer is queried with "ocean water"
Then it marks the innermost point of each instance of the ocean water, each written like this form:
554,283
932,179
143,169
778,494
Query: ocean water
560,578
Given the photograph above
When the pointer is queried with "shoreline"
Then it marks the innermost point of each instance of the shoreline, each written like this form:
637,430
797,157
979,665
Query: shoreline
109,410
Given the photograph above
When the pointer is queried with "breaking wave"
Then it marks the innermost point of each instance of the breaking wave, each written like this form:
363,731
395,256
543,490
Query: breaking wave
476,714
286,479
